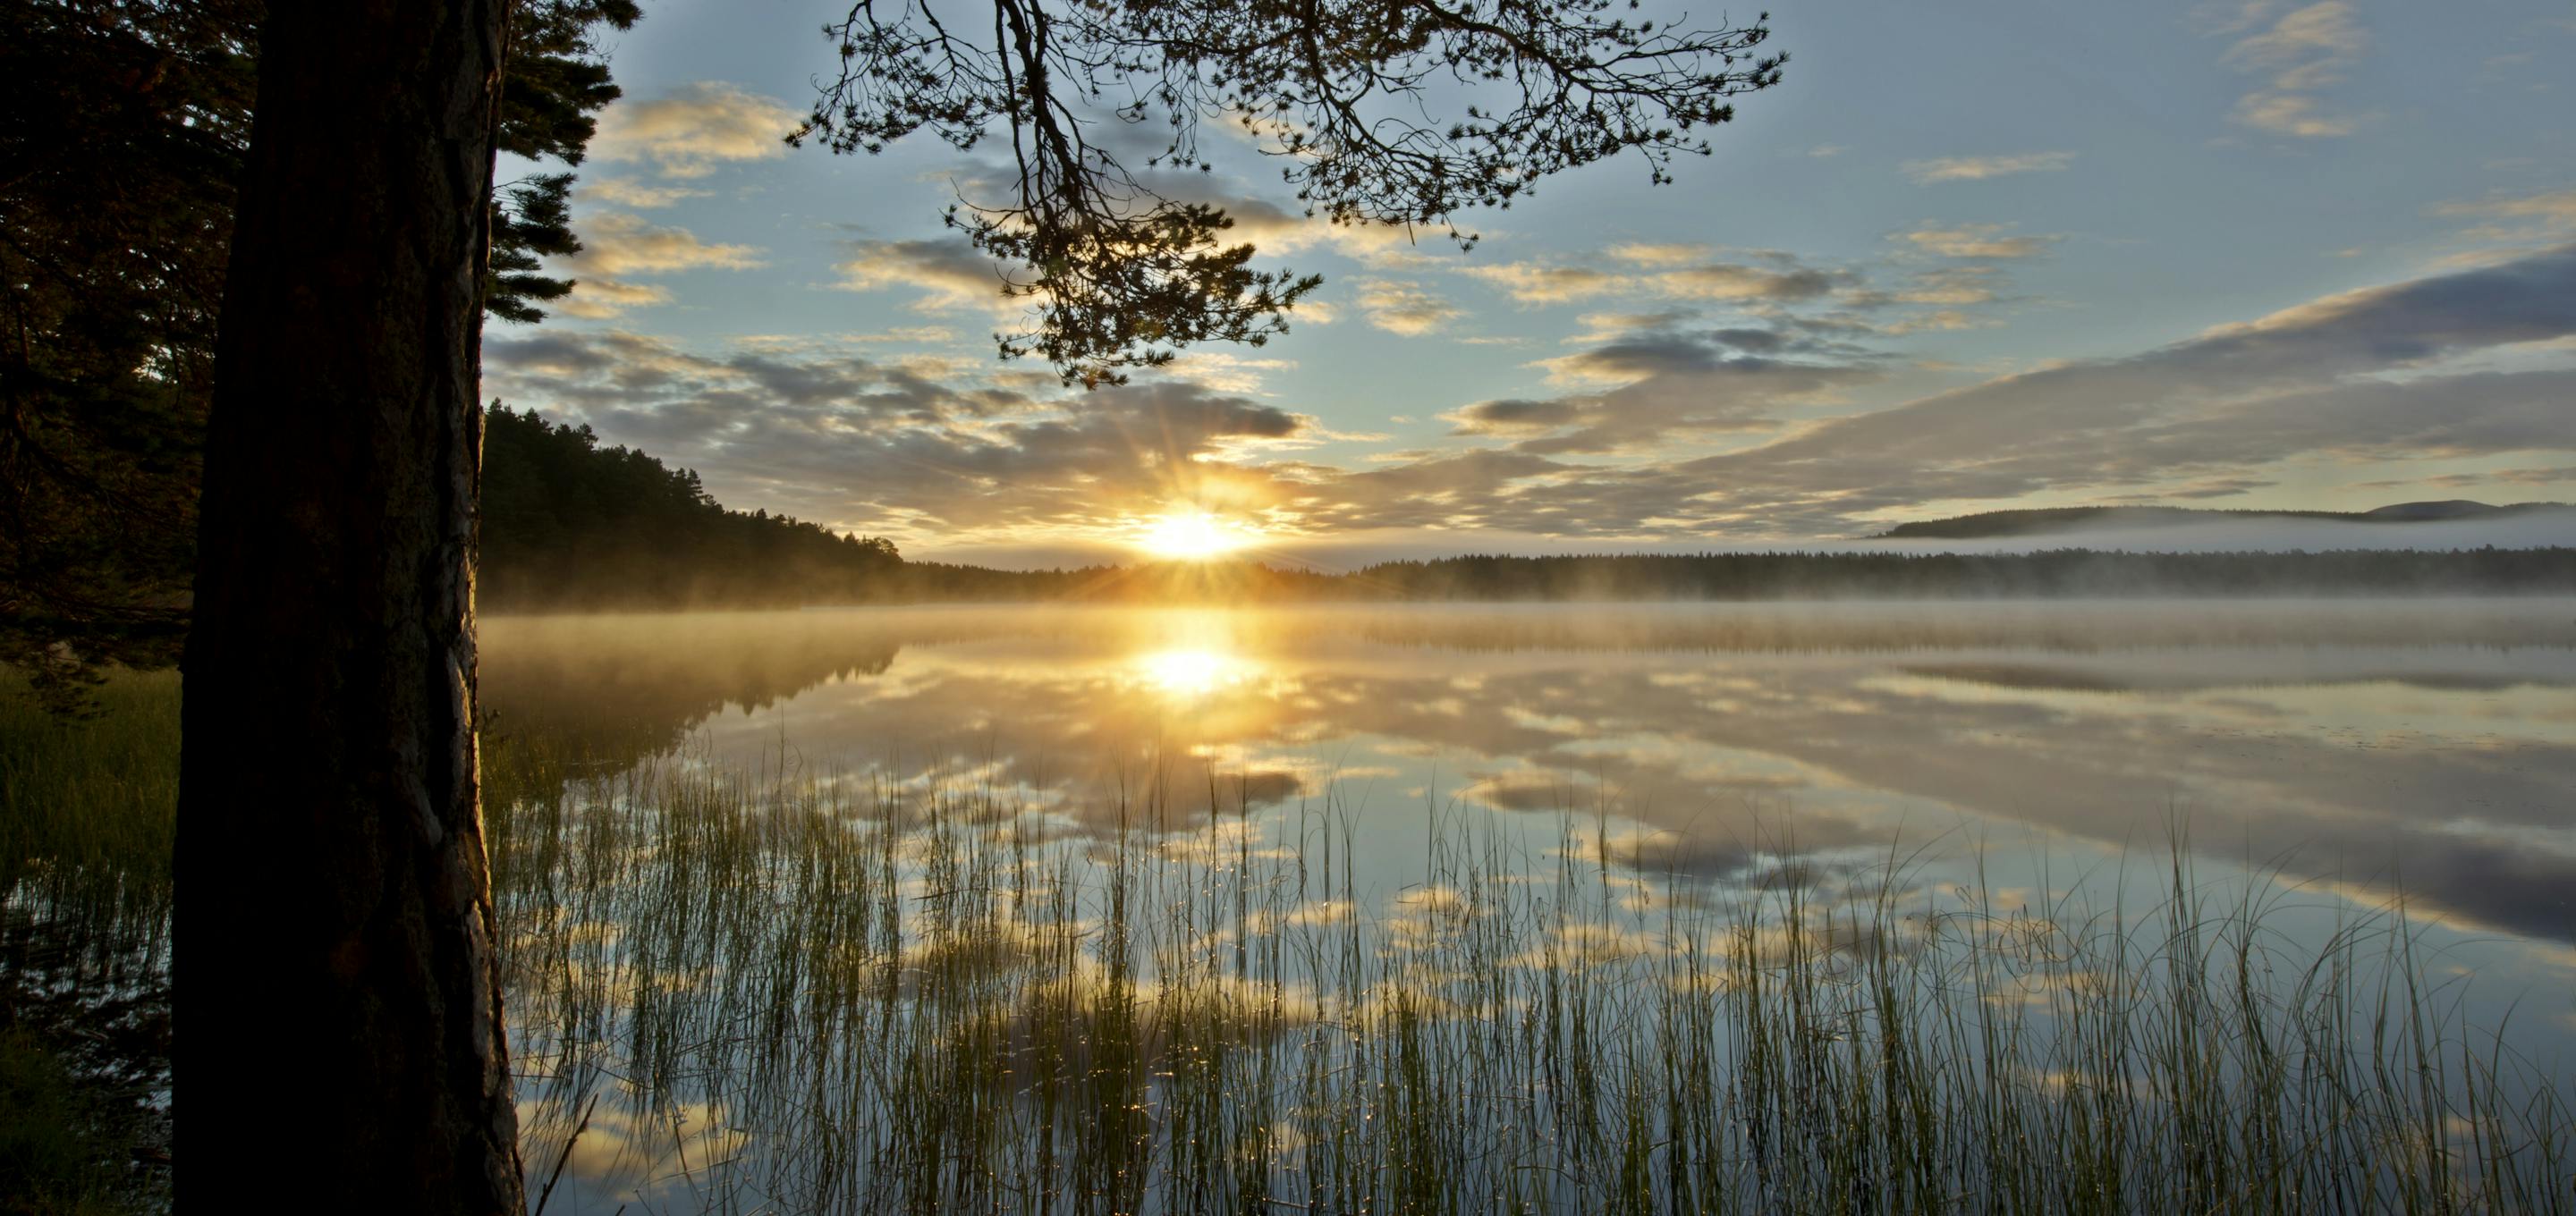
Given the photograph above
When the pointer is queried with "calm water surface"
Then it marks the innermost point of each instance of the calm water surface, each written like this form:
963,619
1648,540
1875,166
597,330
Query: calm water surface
2354,744
2326,754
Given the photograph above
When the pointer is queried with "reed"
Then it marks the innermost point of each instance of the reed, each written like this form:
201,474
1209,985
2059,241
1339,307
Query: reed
86,826
795,990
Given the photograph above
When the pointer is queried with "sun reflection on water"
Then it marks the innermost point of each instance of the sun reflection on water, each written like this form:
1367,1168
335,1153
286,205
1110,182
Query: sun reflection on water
1192,671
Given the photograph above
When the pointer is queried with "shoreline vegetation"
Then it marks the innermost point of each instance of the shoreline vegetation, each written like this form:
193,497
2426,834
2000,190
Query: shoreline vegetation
777,987
1639,578
87,811
570,526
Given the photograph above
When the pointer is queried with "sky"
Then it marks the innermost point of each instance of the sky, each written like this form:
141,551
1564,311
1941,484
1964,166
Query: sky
2251,254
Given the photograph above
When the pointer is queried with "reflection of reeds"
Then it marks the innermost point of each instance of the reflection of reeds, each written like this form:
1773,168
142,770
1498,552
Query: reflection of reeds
816,994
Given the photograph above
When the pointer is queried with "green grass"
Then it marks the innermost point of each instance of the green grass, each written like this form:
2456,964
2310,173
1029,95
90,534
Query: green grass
87,809
61,1152
87,816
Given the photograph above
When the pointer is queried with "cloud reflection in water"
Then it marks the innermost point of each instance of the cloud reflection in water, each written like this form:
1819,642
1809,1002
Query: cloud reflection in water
2346,743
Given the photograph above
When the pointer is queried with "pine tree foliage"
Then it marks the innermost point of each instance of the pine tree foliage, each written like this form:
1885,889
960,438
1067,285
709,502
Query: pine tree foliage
123,124
121,132
558,79
1120,268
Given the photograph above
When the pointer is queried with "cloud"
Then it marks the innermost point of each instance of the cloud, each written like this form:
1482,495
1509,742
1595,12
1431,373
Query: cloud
1939,320
1721,281
1975,241
2363,378
2306,51
2325,32
597,299
887,448
1663,255
1404,308
2292,114
614,243
1682,272
1600,327
1669,432
627,192
2529,217
1950,286
1277,230
949,271
1537,283
2355,375
1226,371
1979,168
1667,387
688,132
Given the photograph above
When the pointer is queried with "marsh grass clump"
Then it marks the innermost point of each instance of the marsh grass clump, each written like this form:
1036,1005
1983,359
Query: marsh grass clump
87,807
86,826
62,1150
791,989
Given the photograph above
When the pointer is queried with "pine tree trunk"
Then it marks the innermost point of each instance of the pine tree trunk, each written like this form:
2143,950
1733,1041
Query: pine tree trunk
343,1047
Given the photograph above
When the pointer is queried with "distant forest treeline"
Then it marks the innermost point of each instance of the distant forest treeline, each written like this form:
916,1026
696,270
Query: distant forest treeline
568,524
2044,520
2061,572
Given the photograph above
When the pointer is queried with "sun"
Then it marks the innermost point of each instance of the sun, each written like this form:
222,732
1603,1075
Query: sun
1192,535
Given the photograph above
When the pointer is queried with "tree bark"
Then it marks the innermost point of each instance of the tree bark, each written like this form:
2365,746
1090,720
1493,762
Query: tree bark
335,965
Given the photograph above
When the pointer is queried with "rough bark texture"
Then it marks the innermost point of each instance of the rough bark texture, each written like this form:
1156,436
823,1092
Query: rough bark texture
343,1050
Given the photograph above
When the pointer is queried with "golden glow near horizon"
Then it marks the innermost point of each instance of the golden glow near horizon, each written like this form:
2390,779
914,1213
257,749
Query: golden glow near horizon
1189,534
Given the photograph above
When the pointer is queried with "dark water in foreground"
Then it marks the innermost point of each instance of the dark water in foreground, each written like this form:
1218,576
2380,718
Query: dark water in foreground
2322,755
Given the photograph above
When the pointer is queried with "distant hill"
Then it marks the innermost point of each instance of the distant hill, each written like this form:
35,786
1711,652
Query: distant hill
2042,522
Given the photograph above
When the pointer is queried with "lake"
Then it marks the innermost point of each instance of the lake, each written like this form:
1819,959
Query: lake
745,853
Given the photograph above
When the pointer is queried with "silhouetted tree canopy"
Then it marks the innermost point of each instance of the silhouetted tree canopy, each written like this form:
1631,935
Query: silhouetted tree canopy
123,125
121,132
1120,269
568,523
2060,573
557,79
